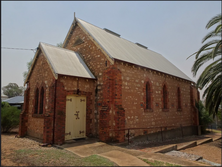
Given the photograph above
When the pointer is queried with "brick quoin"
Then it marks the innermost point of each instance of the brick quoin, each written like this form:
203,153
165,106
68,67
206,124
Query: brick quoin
112,115
23,116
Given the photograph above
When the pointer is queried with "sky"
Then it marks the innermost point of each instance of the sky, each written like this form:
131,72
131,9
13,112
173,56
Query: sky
174,29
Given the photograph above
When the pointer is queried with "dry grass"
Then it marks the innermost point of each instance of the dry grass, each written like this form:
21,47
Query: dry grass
27,152
57,157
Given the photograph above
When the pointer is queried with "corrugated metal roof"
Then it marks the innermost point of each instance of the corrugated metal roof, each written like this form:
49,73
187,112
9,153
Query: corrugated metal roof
66,62
15,100
122,49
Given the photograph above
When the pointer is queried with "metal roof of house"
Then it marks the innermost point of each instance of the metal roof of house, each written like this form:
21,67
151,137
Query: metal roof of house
66,62
122,49
15,100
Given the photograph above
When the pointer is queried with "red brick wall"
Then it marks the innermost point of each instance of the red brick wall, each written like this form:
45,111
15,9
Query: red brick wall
67,85
95,60
133,83
195,97
41,125
24,114
112,114
134,80
40,76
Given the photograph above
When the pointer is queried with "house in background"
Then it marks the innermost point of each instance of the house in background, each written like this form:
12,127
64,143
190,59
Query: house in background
3,97
99,81
16,101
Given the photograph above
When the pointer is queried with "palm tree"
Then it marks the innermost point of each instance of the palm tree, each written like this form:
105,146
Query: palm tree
211,77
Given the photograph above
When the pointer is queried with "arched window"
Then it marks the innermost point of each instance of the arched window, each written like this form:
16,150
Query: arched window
164,97
41,101
148,96
36,101
178,98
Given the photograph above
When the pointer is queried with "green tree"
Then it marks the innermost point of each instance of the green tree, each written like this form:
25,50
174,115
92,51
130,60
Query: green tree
59,44
9,117
211,77
12,89
26,72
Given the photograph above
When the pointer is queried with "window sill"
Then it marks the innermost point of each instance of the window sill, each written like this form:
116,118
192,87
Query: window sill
38,115
165,109
148,110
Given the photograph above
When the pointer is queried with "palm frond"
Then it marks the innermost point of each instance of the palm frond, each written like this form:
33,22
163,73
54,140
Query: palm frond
201,60
218,29
211,77
196,52
209,74
214,21
217,48
205,46
210,35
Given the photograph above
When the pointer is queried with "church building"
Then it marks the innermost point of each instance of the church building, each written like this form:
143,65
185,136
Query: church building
98,83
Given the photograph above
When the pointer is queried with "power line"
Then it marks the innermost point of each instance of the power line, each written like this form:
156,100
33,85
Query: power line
19,48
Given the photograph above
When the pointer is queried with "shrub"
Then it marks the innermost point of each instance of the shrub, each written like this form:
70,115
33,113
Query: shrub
204,117
9,117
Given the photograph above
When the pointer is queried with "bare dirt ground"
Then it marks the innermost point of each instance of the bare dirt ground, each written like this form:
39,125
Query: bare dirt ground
27,152
8,145
210,151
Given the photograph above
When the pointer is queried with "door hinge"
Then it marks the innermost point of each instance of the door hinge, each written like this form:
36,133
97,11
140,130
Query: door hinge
69,99
68,133
81,132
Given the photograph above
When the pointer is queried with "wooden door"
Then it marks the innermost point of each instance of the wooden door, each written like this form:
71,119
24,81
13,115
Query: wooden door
75,117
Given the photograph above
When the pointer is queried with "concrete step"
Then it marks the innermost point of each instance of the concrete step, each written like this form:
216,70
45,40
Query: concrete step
216,138
166,149
204,141
187,145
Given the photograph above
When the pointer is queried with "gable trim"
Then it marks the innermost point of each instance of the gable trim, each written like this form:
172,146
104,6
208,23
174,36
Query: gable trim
32,65
69,33
74,23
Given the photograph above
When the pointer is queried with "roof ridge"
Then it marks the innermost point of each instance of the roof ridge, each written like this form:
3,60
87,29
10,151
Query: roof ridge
57,47
116,36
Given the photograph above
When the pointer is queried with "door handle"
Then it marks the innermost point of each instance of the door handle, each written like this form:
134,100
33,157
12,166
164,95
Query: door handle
77,114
